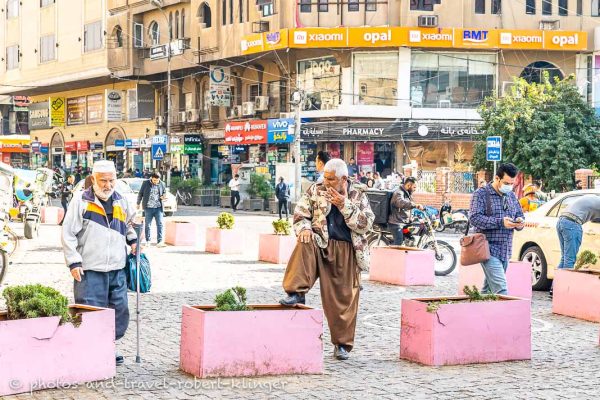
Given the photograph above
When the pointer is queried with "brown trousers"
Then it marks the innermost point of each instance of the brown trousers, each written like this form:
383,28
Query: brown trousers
338,271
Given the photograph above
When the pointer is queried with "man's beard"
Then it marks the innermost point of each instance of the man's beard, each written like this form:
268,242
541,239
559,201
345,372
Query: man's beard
103,194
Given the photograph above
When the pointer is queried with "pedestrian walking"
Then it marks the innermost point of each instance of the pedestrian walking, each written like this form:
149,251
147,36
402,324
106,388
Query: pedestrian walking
331,220
66,193
321,160
234,185
401,205
496,212
96,232
282,193
352,168
150,198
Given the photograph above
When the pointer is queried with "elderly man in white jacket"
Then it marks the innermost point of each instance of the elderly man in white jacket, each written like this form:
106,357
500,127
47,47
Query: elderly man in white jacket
96,231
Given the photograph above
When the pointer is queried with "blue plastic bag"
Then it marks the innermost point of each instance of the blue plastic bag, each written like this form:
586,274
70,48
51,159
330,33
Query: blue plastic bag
145,274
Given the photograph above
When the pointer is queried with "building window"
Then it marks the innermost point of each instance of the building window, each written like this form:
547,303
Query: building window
496,6
204,15
117,36
530,7
46,3
231,11
479,6
12,57
268,9
375,78
451,80
579,7
12,9
534,72
276,90
138,35
154,33
47,46
371,5
595,8
546,7
320,79
176,32
92,36
305,6
323,5
422,5
563,7
241,10
254,91
353,5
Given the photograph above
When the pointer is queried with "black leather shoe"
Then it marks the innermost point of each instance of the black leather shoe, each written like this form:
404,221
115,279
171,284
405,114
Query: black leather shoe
119,360
341,353
292,299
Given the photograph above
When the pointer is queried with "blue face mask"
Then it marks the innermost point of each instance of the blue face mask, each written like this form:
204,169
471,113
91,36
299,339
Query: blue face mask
506,188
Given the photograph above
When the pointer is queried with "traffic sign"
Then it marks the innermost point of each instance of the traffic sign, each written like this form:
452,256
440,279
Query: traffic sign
159,147
494,148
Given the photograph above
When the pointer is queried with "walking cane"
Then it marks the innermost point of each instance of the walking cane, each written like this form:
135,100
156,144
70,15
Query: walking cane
138,232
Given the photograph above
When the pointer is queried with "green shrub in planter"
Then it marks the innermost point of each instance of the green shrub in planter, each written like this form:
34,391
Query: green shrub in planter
233,299
35,301
225,221
260,187
282,227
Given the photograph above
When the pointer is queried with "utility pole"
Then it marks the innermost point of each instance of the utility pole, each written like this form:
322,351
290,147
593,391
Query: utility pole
297,103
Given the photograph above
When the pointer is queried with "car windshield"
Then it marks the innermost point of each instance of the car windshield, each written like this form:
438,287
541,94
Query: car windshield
135,184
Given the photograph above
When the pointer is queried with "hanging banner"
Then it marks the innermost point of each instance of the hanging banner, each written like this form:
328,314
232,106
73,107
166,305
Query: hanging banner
114,105
365,153
220,88
39,116
76,111
94,108
57,111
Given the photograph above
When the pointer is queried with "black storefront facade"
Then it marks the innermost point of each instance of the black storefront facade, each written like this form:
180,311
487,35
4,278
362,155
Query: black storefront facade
386,146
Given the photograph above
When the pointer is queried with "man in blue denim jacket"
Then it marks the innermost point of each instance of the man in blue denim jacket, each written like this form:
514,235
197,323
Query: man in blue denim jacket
496,212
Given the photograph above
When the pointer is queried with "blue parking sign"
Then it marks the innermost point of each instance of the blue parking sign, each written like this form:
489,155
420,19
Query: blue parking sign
494,148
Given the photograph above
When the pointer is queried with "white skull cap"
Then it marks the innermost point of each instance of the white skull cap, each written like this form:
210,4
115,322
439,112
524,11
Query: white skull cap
104,166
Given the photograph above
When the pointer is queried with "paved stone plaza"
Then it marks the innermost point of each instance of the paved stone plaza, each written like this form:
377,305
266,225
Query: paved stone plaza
565,363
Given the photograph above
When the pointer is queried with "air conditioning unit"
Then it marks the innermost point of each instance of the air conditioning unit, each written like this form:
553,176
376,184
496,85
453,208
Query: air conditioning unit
248,108
327,106
174,118
549,25
428,21
287,115
182,115
261,103
192,115
235,112
160,121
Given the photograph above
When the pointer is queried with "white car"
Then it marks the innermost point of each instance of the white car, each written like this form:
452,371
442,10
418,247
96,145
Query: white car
538,242
169,205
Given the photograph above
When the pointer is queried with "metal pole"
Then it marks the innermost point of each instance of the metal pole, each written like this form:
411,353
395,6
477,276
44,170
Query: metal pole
494,170
298,165
169,98
138,232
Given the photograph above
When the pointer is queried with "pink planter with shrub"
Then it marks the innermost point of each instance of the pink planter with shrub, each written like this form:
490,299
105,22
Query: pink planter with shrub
406,266
181,233
577,294
224,241
518,278
38,353
466,332
275,249
267,340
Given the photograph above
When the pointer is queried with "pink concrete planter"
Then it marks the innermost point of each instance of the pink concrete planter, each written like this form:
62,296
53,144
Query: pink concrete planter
268,340
181,233
52,215
466,333
224,241
518,278
404,266
37,353
275,249
577,294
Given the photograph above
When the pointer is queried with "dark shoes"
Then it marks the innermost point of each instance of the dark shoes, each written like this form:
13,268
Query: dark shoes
341,353
292,299
119,360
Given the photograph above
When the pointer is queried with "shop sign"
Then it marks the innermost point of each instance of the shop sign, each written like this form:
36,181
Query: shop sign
320,37
357,131
76,110
565,40
96,146
57,111
21,101
192,144
176,148
114,105
95,108
220,87
39,116
246,132
280,130
145,143
365,153
132,143
44,149
36,147
70,147
83,145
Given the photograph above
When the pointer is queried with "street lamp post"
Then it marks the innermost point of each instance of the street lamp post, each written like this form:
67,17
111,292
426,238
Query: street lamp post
159,5
296,102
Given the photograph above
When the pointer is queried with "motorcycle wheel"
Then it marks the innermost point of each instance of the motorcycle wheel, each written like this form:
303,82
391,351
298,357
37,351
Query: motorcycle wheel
445,258
460,227
439,227
31,229
3,264
375,240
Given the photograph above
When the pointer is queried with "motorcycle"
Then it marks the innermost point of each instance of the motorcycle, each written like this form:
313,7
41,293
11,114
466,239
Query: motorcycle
456,220
6,202
32,195
418,233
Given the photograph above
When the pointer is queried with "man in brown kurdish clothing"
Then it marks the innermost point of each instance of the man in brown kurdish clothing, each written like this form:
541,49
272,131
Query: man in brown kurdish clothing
331,221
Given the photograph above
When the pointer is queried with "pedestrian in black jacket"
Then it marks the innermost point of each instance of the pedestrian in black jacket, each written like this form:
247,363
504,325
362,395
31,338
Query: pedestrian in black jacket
150,198
282,192
66,193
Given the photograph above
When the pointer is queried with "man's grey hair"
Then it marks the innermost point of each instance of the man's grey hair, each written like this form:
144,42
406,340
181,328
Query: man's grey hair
338,166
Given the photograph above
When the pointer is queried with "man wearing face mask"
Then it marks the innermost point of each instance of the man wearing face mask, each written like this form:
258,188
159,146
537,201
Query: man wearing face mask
96,231
401,203
331,220
496,212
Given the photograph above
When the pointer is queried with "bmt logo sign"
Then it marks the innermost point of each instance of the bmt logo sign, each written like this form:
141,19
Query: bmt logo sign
475,36
375,37
566,40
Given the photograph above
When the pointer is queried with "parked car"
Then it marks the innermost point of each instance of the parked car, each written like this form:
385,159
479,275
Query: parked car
538,242
169,205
